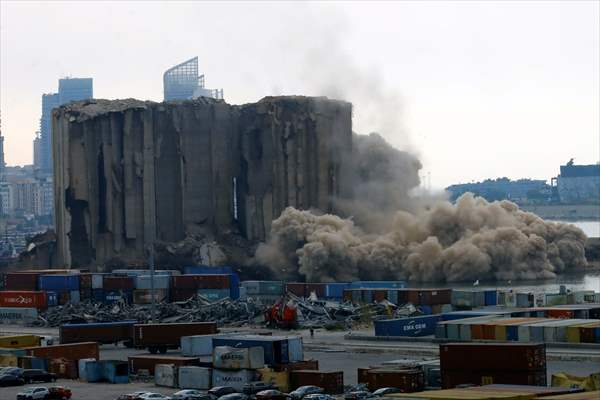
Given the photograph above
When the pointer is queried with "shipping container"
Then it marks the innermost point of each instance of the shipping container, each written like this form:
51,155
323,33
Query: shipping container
85,281
201,282
281,379
59,282
525,300
468,298
64,368
102,332
97,281
274,288
454,378
115,371
71,351
407,380
584,333
429,296
21,281
20,341
194,378
82,368
331,382
182,294
117,283
493,356
166,375
233,378
148,362
144,282
491,297
17,314
144,296
160,337
277,349
378,285
115,296
225,357
23,299
206,269
297,365
537,391
411,326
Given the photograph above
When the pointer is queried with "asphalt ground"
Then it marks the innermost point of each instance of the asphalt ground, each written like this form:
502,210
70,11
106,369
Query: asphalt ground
333,352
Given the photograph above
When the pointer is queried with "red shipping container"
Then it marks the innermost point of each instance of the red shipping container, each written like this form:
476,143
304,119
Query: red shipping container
21,280
407,380
111,283
429,296
453,378
558,313
201,282
379,295
509,356
71,351
23,299
297,288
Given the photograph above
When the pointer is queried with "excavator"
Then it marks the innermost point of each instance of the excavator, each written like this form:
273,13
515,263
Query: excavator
283,314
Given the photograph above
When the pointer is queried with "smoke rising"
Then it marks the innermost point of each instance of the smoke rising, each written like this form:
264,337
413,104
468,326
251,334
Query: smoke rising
385,232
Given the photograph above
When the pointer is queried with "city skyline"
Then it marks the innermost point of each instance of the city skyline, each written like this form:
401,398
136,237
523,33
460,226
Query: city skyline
457,88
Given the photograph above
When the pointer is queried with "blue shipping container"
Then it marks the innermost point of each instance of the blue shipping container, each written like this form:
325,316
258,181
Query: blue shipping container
336,290
276,348
451,316
491,297
114,296
59,282
411,326
115,371
93,371
425,309
512,333
98,295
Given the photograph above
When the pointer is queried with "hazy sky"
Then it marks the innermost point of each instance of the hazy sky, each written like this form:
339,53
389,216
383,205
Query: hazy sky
477,89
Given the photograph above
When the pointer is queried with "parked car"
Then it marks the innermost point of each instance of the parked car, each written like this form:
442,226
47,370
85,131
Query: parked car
59,392
219,391
33,393
11,370
388,390
234,396
11,380
255,387
271,395
191,394
318,396
132,396
154,396
302,391
37,375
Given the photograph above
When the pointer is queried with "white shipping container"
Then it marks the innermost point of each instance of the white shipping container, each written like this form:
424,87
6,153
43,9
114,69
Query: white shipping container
165,375
17,314
194,378
81,367
200,345
145,282
97,280
233,358
295,348
235,379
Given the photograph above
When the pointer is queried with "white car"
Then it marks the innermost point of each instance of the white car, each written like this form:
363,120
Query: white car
33,393
154,396
191,394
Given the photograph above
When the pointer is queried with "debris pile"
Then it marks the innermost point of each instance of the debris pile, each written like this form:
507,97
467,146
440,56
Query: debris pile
224,312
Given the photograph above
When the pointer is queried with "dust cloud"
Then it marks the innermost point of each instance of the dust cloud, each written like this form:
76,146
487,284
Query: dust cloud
386,231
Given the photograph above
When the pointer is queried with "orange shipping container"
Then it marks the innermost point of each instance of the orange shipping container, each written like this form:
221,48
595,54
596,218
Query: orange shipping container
23,299
71,351
558,313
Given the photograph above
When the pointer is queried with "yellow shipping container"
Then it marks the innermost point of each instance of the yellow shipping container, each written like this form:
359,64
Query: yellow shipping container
279,379
8,360
577,396
589,383
574,332
456,394
20,341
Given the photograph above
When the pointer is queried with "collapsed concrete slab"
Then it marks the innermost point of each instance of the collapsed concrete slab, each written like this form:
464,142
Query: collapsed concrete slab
132,173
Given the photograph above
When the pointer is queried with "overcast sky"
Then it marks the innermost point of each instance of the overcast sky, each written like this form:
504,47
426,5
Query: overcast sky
477,89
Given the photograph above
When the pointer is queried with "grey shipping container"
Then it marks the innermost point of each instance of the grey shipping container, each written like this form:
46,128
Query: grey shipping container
145,282
195,378
235,379
278,349
74,297
165,375
226,357
214,294
97,280
17,314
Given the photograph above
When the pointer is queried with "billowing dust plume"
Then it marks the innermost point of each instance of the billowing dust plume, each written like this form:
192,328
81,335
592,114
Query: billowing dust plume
388,232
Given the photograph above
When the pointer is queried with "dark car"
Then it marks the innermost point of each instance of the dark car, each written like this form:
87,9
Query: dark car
387,390
37,375
11,371
255,387
11,380
358,395
219,391
302,391
271,395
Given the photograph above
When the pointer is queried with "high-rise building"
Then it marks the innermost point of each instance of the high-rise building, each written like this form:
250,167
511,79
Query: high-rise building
182,82
69,89
2,163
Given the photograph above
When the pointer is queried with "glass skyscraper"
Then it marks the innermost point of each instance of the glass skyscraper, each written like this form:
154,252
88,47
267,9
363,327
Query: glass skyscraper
69,89
182,82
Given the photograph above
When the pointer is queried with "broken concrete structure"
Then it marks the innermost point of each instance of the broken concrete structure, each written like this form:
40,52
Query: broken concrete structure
132,173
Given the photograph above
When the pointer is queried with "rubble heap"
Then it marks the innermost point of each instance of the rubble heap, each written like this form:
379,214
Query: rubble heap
225,312
130,174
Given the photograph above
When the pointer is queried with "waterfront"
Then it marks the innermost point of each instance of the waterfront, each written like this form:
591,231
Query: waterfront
590,228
